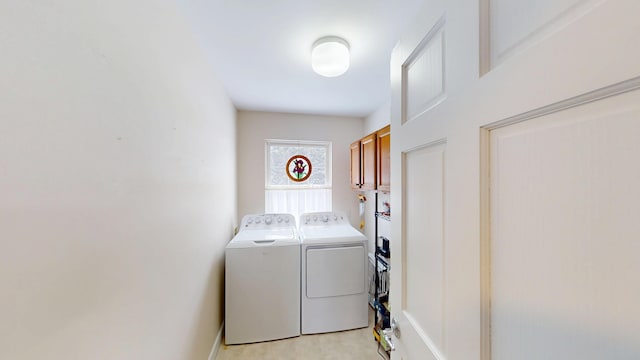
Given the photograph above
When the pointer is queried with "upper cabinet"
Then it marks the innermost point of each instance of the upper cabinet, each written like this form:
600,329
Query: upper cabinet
370,161
384,156
355,166
368,154
363,163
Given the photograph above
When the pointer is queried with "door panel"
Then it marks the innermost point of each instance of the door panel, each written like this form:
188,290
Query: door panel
383,157
356,166
516,24
423,74
423,244
368,157
564,244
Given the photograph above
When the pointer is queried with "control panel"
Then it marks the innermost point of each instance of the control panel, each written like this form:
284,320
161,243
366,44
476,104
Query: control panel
267,221
323,218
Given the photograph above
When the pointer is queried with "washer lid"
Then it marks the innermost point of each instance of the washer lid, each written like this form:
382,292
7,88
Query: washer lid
257,238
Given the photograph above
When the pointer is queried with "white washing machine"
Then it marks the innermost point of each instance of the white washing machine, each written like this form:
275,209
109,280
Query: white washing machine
262,280
334,274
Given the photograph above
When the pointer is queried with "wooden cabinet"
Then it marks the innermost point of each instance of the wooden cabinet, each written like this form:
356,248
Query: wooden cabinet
370,161
384,159
368,156
356,166
363,163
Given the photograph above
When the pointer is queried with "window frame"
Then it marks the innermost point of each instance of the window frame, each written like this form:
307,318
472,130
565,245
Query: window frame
268,143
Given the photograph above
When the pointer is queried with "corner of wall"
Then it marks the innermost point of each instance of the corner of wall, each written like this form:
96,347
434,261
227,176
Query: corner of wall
380,118
216,344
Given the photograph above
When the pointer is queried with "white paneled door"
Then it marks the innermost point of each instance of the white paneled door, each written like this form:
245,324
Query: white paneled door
516,181
564,233
418,269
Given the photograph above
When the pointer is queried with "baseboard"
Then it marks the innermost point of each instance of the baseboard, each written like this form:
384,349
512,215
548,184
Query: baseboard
216,343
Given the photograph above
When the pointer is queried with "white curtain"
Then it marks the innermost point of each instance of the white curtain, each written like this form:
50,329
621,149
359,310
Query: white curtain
298,201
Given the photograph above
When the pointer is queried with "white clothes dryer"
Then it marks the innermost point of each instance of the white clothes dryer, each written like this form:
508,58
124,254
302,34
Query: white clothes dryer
262,280
334,274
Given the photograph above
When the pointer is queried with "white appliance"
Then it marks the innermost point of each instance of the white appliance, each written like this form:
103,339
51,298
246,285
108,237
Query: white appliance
334,274
262,280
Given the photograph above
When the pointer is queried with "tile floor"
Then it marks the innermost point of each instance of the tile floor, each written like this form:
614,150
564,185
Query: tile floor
344,345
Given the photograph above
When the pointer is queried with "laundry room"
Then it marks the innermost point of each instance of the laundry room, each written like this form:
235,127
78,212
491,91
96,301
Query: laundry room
337,179
334,268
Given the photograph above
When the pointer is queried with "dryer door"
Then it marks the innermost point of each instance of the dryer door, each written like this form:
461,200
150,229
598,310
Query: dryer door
335,271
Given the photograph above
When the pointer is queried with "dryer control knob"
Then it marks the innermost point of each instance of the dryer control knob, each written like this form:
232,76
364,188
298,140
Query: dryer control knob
257,220
279,219
335,218
268,220
286,220
325,218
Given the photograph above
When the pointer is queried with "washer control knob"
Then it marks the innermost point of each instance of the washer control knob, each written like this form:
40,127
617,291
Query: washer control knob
315,218
268,220
279,219
249,221
286,220
335,218
257,220
325,218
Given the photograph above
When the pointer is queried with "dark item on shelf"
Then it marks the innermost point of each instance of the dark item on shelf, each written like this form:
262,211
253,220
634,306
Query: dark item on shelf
384,251
383,255
383,312
382,318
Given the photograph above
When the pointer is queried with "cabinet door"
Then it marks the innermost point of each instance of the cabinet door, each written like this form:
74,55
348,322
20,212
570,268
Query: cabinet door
368,156
355,165
384,156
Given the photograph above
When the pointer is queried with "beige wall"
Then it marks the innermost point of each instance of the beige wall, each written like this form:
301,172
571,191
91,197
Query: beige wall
255,127
116,203
378,119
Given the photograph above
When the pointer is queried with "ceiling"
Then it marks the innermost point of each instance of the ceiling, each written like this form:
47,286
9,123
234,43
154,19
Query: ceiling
261,51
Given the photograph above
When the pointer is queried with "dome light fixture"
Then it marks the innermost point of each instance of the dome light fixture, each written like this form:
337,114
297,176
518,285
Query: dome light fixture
330,56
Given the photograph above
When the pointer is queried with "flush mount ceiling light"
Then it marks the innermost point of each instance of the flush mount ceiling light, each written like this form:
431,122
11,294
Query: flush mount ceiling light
330,56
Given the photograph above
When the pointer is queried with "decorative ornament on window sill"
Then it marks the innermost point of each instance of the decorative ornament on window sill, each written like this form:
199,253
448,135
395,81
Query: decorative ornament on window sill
298,168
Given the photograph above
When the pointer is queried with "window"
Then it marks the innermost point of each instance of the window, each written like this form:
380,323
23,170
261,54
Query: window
284,194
